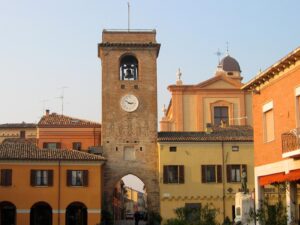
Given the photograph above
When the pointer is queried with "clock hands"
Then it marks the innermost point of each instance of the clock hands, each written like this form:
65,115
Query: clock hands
130,103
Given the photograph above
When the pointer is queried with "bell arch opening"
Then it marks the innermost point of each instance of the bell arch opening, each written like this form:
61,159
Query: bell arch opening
129,199
128,67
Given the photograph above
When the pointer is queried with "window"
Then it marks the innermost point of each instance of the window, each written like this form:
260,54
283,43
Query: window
211,173
220,114
77,146
51,145
298,110
128,68
193,212
6,177
129,153
77,178
234,172
22,134
173,174
235,148
173,149
41,178
269,126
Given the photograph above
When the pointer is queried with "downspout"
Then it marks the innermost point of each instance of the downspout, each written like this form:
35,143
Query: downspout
223,179
58,203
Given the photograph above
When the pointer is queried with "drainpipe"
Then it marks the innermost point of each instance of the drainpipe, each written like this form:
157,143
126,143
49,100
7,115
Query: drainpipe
223,179
58,200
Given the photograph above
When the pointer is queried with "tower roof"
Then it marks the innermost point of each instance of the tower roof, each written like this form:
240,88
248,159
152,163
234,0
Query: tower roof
229,64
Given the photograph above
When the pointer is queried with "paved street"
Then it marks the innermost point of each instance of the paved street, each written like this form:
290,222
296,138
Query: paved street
128,222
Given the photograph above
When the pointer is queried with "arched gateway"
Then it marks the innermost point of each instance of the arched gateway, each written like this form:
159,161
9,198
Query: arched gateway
129,110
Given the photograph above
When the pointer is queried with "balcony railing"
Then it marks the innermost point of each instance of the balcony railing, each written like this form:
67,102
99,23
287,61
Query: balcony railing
290,141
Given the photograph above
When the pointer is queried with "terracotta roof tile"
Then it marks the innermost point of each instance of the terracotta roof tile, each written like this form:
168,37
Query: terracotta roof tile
18,125
56,120
19,141
231,133
31,152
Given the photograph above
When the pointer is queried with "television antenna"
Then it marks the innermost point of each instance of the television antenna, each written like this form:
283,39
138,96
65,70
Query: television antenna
61,97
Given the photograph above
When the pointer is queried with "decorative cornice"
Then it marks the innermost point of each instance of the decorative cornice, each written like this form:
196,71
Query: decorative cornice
273,70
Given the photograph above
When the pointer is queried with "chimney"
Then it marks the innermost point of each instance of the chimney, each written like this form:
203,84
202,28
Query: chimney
47,112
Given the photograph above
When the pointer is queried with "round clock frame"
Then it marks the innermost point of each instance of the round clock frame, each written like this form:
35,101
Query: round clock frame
129,103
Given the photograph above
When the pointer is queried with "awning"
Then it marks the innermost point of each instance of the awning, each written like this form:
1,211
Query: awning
279,177
273,178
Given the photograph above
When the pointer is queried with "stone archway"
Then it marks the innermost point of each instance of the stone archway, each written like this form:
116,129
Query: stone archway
7,213
129,196
145,176
41,214
76,214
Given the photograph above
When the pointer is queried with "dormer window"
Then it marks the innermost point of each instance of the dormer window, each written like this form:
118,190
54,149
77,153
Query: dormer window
128,68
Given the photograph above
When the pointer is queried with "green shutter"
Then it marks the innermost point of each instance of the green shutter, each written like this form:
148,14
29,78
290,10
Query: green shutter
203,173
181,174
219,173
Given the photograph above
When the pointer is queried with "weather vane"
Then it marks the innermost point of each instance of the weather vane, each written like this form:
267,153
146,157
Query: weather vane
218,53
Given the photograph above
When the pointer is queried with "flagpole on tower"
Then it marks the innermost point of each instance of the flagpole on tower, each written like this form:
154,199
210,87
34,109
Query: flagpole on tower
128,16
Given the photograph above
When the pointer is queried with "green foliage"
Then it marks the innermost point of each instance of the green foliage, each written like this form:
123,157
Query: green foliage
107,218
194,216
154,218
270,214
227,221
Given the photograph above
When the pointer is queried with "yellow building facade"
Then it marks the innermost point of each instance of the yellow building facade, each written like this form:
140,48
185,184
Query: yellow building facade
204,168
206,142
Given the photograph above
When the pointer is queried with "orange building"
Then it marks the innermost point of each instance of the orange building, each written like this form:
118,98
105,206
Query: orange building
193,107
49,186
60,131
276,109
18,132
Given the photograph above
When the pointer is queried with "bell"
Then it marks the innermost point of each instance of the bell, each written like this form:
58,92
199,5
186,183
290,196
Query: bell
128,74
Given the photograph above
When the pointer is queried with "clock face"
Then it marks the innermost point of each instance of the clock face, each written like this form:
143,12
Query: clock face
129,103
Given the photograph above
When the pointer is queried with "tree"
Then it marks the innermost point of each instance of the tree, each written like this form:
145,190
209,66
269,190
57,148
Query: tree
194,216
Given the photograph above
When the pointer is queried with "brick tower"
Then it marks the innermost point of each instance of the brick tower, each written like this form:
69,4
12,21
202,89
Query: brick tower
129,110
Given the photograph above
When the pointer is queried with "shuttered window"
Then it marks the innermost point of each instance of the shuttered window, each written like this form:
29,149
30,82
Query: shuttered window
6,177
269,126
211,173
77,177
234,172
41,178
52,145
173,174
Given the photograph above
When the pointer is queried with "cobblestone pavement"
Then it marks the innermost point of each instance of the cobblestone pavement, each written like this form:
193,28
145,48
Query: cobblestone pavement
128,222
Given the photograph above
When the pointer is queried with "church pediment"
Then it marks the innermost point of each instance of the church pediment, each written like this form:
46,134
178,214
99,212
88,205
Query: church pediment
220,82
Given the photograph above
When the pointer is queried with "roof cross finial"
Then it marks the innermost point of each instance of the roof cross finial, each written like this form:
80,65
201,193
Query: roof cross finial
227,47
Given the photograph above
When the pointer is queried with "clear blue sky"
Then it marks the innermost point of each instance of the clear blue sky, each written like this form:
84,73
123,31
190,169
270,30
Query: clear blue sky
45,45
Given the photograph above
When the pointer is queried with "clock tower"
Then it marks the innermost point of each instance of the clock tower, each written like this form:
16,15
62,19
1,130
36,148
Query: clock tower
129,110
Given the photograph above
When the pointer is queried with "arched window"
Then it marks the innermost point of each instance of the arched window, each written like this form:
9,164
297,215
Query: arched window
41,214
76,214
7,213
128,68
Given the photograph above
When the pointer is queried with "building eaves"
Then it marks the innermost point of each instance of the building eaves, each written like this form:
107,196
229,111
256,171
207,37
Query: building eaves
273,70
229,134
31,152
